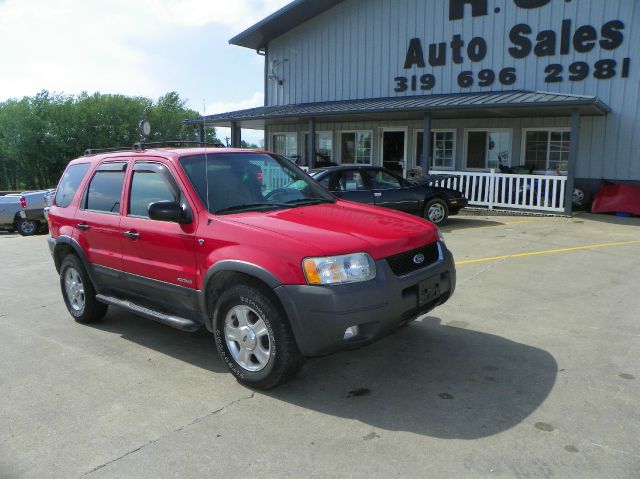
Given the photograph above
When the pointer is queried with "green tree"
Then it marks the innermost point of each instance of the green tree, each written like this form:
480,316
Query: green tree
39,135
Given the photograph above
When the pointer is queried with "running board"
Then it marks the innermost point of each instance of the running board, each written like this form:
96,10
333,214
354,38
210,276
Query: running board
182,324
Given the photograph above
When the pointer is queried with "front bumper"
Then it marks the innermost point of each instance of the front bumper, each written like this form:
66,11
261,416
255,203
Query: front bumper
319,315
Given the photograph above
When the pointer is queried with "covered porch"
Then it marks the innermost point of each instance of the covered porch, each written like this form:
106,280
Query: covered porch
470,137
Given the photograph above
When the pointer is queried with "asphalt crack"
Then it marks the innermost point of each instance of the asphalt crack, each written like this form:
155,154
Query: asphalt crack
181,428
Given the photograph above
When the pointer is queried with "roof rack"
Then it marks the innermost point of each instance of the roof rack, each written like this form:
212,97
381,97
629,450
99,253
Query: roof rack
95,151
159,144
143,146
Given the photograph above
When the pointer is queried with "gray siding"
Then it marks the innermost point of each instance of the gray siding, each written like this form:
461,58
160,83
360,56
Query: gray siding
356,49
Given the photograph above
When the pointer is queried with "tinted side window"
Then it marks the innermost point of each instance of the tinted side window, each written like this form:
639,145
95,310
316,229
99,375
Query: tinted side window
384,181
69,183
351,181
149,187
105,188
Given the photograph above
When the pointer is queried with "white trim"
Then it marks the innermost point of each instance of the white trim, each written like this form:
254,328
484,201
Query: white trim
391,129
289,133
319,132
487,130
436,130
523,146
339,159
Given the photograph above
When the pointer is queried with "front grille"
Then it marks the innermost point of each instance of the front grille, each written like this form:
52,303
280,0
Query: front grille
403,263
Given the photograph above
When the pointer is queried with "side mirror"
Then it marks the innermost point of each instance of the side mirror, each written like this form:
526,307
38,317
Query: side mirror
167,211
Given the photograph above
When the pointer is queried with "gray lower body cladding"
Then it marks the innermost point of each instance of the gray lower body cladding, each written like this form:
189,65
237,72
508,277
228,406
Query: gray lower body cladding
319,315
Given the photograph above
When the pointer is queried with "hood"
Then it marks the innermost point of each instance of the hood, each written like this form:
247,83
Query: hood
344,227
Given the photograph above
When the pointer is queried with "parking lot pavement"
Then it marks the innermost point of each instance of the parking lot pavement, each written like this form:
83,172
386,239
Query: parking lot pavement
530,370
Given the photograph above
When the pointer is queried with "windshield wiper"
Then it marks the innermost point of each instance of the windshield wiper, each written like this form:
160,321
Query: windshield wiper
251,206
309,201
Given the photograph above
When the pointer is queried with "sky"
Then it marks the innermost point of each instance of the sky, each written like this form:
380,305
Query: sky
135,47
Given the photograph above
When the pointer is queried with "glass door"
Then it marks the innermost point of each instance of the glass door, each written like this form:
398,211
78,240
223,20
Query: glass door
394,150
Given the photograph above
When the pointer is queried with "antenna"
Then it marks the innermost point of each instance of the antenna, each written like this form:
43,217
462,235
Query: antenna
206,157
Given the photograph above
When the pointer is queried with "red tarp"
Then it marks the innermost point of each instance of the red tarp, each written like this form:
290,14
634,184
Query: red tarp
617,199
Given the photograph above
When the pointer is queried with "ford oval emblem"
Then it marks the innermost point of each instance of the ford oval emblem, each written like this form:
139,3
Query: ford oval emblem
418,259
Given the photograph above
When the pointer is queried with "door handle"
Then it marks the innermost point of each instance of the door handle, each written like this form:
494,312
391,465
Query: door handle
83,226
131,234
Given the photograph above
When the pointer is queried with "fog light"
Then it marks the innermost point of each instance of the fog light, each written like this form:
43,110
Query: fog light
351,332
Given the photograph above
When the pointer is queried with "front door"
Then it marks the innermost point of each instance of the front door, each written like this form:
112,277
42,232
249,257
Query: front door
394,150
158,257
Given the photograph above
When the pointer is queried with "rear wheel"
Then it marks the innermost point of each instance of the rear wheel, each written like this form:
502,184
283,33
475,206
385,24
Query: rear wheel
27,227
436,211
254,338
578,197
78,292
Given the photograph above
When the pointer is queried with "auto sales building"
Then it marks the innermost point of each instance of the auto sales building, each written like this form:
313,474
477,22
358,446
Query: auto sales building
540,87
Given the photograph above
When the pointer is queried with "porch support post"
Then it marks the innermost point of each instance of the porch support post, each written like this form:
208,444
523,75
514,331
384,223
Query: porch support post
236,135
573,161
201,136
426,143
311,143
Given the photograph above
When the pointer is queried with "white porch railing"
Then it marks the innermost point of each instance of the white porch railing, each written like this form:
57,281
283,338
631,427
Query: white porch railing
502,190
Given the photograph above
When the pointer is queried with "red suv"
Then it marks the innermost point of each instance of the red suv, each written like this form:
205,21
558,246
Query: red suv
245,244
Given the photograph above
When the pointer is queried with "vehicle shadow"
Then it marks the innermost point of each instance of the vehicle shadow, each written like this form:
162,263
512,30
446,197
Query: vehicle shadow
465,222
196,348
430,379
608,218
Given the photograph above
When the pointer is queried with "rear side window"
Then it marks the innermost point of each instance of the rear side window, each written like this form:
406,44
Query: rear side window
105,188
69,183
351,181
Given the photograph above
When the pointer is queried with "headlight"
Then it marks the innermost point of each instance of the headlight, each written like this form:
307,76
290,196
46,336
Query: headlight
348,268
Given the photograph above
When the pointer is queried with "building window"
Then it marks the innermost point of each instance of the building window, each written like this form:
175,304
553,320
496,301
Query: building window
355,147
286,144
488,149
547,150
443,148
324,146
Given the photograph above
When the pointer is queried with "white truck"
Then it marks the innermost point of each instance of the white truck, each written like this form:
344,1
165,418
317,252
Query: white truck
23,212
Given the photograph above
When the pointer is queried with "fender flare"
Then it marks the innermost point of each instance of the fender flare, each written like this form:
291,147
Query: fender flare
77,249
236,266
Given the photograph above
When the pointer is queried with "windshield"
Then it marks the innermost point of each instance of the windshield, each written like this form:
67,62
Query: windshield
236,182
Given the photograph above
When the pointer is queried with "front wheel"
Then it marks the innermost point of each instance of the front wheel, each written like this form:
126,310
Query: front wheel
27,227
254,338
78,293
436,211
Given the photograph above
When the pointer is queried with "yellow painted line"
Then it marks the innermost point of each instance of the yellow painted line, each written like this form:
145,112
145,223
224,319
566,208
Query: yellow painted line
549,251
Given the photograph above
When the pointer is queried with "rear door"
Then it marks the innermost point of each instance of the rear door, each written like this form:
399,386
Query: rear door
159,257
391,191
97,223
351,185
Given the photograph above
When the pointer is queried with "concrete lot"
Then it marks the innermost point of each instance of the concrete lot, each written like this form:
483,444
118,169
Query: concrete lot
531,370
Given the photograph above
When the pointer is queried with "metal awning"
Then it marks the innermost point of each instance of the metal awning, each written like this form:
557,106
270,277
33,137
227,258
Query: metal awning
512,104
290,16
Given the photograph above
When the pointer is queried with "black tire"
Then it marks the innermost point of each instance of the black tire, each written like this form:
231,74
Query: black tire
436,211
579,197
284,358
91,310
27,227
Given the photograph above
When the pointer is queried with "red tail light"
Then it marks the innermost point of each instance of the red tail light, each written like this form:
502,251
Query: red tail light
23,203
